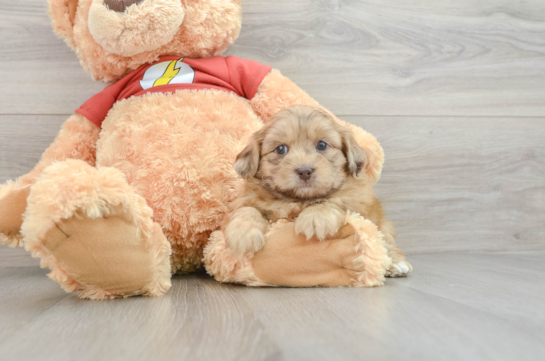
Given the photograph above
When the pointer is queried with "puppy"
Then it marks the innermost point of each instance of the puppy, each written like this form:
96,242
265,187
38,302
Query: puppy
306,167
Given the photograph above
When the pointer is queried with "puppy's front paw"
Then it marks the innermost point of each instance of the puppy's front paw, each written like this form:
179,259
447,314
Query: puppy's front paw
244,233
242,241
319,221
399,269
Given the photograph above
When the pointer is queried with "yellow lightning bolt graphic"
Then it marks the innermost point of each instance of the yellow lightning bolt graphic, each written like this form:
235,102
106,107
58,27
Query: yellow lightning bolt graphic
170,73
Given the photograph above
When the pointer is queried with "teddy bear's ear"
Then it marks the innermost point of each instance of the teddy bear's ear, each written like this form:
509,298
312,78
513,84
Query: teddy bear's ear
63,13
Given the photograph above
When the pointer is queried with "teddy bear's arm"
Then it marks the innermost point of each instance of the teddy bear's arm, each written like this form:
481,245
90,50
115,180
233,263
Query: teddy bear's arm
76,140
356,256
276,92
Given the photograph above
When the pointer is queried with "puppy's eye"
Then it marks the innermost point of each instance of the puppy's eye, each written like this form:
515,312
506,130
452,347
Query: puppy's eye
282,149
321,145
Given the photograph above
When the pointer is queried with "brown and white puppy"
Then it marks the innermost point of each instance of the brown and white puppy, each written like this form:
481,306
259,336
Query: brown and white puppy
306,167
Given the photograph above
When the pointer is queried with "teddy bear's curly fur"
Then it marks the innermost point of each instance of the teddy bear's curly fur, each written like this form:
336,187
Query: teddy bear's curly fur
115,211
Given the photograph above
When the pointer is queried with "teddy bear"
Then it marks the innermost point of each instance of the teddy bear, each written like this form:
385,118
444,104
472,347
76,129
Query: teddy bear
139,178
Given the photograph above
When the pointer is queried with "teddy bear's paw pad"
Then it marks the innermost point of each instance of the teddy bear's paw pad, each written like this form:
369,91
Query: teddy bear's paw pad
105,253
399,269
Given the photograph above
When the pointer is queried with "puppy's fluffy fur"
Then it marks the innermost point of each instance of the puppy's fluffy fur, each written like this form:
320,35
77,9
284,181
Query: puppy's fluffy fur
306,167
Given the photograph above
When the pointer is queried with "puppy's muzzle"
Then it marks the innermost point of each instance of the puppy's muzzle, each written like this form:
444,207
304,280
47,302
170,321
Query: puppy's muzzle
305,172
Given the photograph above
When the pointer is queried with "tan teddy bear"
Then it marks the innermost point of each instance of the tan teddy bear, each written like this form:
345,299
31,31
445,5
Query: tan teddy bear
141,175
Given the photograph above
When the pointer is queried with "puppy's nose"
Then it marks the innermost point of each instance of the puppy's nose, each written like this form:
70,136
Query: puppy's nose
305,172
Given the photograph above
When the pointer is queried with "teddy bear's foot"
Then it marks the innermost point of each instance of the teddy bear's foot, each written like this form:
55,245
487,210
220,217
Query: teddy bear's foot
13,196
95,234
106,256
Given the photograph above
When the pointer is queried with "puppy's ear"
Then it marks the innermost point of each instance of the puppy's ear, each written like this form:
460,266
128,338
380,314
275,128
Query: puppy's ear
355,155
247,161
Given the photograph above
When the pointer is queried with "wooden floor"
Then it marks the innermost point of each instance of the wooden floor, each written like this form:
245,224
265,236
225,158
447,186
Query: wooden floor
454,90
456,306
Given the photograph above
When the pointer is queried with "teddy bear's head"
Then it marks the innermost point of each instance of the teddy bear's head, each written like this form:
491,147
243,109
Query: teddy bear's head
113,37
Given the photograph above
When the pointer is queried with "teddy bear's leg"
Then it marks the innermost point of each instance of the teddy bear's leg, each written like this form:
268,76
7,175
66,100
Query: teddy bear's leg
76,140
95,233
400,267
356,256
13,197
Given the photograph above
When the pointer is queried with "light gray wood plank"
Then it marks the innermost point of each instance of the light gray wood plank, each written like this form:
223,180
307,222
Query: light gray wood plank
39,73
25,294
16,257
401,57
23,139
199,319
462,183
453,307
448,183
389,323
366,57
506,284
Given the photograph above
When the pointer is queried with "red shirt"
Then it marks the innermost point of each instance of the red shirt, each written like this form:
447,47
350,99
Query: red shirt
171,73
